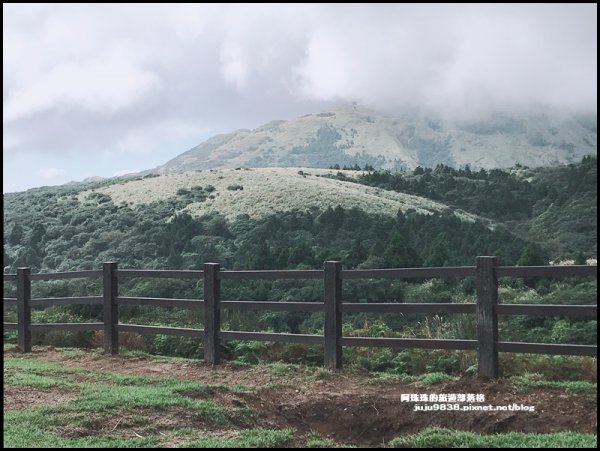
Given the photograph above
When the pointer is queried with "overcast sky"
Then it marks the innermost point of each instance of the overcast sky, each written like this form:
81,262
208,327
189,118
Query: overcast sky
107,89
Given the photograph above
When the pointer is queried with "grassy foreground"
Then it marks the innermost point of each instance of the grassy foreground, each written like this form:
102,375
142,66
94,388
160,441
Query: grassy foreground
78,406
105,398
446,438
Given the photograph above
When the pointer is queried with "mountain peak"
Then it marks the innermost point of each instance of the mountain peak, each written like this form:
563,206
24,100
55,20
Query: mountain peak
352,134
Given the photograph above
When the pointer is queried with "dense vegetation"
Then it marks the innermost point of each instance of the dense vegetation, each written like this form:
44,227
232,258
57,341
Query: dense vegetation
555,206
528,217
553,209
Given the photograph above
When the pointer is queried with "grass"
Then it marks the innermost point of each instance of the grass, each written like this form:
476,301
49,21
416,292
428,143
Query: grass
72,352
424,379
105,397
28,430
448,438
316,440
279,369
306,372
249,438
529,381
116,410
153,357
43,375
270,189
435,378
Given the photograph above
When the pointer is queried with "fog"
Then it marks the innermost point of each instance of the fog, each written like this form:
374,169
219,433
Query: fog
134,85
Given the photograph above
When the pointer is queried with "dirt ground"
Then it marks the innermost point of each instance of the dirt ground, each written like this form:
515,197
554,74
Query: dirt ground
350,408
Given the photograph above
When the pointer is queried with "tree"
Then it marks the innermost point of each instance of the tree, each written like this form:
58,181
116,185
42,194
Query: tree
439,254
398,254
37,233
174,260
262,256
300,254
357,254
400,218
15,235
580,259
532,255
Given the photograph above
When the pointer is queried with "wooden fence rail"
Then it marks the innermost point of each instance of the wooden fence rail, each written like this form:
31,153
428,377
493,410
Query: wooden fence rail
487,308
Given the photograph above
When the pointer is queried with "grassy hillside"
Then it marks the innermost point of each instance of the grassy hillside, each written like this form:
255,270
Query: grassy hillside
352,134
261,191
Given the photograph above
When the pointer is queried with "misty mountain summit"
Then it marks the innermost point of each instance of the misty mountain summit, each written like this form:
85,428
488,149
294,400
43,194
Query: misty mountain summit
350,134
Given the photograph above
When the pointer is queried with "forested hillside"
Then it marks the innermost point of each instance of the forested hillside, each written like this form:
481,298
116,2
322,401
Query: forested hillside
440,217
549,210
552,206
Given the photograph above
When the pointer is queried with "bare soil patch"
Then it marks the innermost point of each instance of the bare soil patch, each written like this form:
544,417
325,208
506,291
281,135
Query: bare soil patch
141,423
375,414
18,397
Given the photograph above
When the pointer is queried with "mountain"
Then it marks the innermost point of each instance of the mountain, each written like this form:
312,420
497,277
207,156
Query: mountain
352,134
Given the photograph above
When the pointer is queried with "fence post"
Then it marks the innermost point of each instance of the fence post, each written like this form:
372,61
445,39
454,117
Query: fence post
487,318
111,312
333,315
23,309
212,313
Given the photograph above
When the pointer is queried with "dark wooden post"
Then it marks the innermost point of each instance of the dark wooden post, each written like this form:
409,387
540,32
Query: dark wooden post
333,315
23,309
111,312
212,313
487,319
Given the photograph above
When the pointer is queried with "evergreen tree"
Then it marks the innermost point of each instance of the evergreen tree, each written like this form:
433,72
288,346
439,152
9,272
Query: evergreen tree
439,254
262,256
398,254
580,259
532,255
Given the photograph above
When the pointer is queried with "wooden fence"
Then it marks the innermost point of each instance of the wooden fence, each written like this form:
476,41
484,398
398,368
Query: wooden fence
486,272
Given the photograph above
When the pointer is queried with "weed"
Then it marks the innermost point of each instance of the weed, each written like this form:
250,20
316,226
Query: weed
282,369
315,440
434,378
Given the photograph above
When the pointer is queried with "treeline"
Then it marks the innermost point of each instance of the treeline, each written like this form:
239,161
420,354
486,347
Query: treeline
555,205
497,193
59,233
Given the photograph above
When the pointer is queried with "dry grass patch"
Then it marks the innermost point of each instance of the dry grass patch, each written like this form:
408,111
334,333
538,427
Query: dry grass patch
266,190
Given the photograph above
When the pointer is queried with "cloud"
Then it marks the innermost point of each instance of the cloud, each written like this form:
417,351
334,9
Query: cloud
456,58
48,173
107,79
99,85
